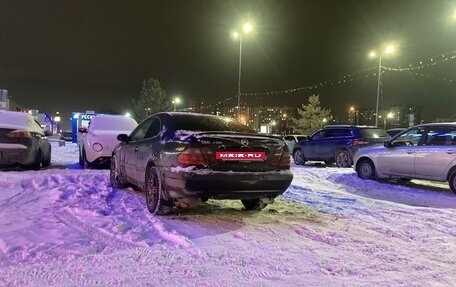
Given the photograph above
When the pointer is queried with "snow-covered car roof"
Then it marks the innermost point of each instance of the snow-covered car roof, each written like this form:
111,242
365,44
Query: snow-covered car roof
113,122
19,120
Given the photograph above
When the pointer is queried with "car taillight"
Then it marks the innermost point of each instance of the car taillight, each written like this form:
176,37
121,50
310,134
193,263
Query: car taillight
191,156
281,159
19,134
358,141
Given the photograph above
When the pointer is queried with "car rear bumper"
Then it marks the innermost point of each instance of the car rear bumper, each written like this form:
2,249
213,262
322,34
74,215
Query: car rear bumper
227,185
16,154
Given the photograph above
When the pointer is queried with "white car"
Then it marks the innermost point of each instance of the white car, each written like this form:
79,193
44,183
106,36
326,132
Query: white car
426,151
291,141
98,140
22,141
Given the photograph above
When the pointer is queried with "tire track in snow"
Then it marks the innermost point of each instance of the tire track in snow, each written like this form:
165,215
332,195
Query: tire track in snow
100,236
171,236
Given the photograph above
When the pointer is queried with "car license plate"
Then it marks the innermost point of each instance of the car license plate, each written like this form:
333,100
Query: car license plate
241,155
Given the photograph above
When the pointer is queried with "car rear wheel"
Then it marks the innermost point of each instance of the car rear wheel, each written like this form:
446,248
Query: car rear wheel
156,204
87,164
452,181
343,158
37,164
114,175
298,157
253,204
47,161
365,169
81,160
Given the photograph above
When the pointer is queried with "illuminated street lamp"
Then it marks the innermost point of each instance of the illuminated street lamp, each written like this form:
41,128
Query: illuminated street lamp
246,29
175,102
389,49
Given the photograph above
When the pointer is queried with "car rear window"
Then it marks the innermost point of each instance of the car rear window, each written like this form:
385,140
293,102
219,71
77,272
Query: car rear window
208,123
373,133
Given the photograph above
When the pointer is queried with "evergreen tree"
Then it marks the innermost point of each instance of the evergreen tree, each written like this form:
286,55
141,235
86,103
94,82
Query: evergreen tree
152,99
312,116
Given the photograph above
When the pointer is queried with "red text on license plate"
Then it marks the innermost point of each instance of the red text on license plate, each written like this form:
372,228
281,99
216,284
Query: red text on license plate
240,155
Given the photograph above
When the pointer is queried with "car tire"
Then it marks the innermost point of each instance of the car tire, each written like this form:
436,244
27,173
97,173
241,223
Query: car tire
342,158
253,204
47,161
365,169
452,181
81,160
36,165
87,164
155,202
298,157
114,174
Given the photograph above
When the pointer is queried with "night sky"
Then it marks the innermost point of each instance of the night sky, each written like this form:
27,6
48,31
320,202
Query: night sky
93,55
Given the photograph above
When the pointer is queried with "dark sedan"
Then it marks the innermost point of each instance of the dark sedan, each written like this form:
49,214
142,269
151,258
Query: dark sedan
184,158
22,141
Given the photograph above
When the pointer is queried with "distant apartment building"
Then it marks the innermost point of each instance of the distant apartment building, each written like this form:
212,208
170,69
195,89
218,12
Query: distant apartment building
392,117
4,100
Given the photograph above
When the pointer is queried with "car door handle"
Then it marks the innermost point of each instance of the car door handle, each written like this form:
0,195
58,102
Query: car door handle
410,151
450,151
136,149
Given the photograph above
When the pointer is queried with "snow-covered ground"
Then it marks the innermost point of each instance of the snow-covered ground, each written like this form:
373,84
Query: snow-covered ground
65,226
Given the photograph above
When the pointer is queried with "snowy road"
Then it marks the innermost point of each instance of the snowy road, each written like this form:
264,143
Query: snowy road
65,226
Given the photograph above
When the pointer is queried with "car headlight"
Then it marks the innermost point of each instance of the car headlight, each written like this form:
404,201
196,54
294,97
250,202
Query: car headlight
97,147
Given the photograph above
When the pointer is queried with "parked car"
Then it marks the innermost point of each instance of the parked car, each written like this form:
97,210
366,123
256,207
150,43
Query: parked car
291,140
98,140
426,151
66,135
337,143
184,158
395,131
22,141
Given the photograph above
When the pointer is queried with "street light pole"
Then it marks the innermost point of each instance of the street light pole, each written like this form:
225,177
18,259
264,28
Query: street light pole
378,87
238,116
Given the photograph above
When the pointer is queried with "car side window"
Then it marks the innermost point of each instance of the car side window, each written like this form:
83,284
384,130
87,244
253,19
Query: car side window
140,132
154,128
444,136
289,138
319,135
340,133
409,138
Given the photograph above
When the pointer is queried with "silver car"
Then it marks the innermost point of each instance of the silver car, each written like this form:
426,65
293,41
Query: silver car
425,151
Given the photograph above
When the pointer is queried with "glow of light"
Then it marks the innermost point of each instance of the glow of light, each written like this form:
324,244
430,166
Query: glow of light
352,109
372,54
324,120
247,27
57,119
235,35
389,49
127,114
390,115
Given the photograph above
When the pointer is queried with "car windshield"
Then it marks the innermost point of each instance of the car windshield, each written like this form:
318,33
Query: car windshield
374,133
208,123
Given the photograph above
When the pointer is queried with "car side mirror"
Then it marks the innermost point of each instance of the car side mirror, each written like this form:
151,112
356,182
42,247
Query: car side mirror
82,130
123,138
388,144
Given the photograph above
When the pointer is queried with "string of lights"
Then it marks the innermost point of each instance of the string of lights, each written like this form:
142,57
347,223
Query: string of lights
366,73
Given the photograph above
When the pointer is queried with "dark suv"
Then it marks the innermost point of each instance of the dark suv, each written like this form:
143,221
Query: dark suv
337,143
